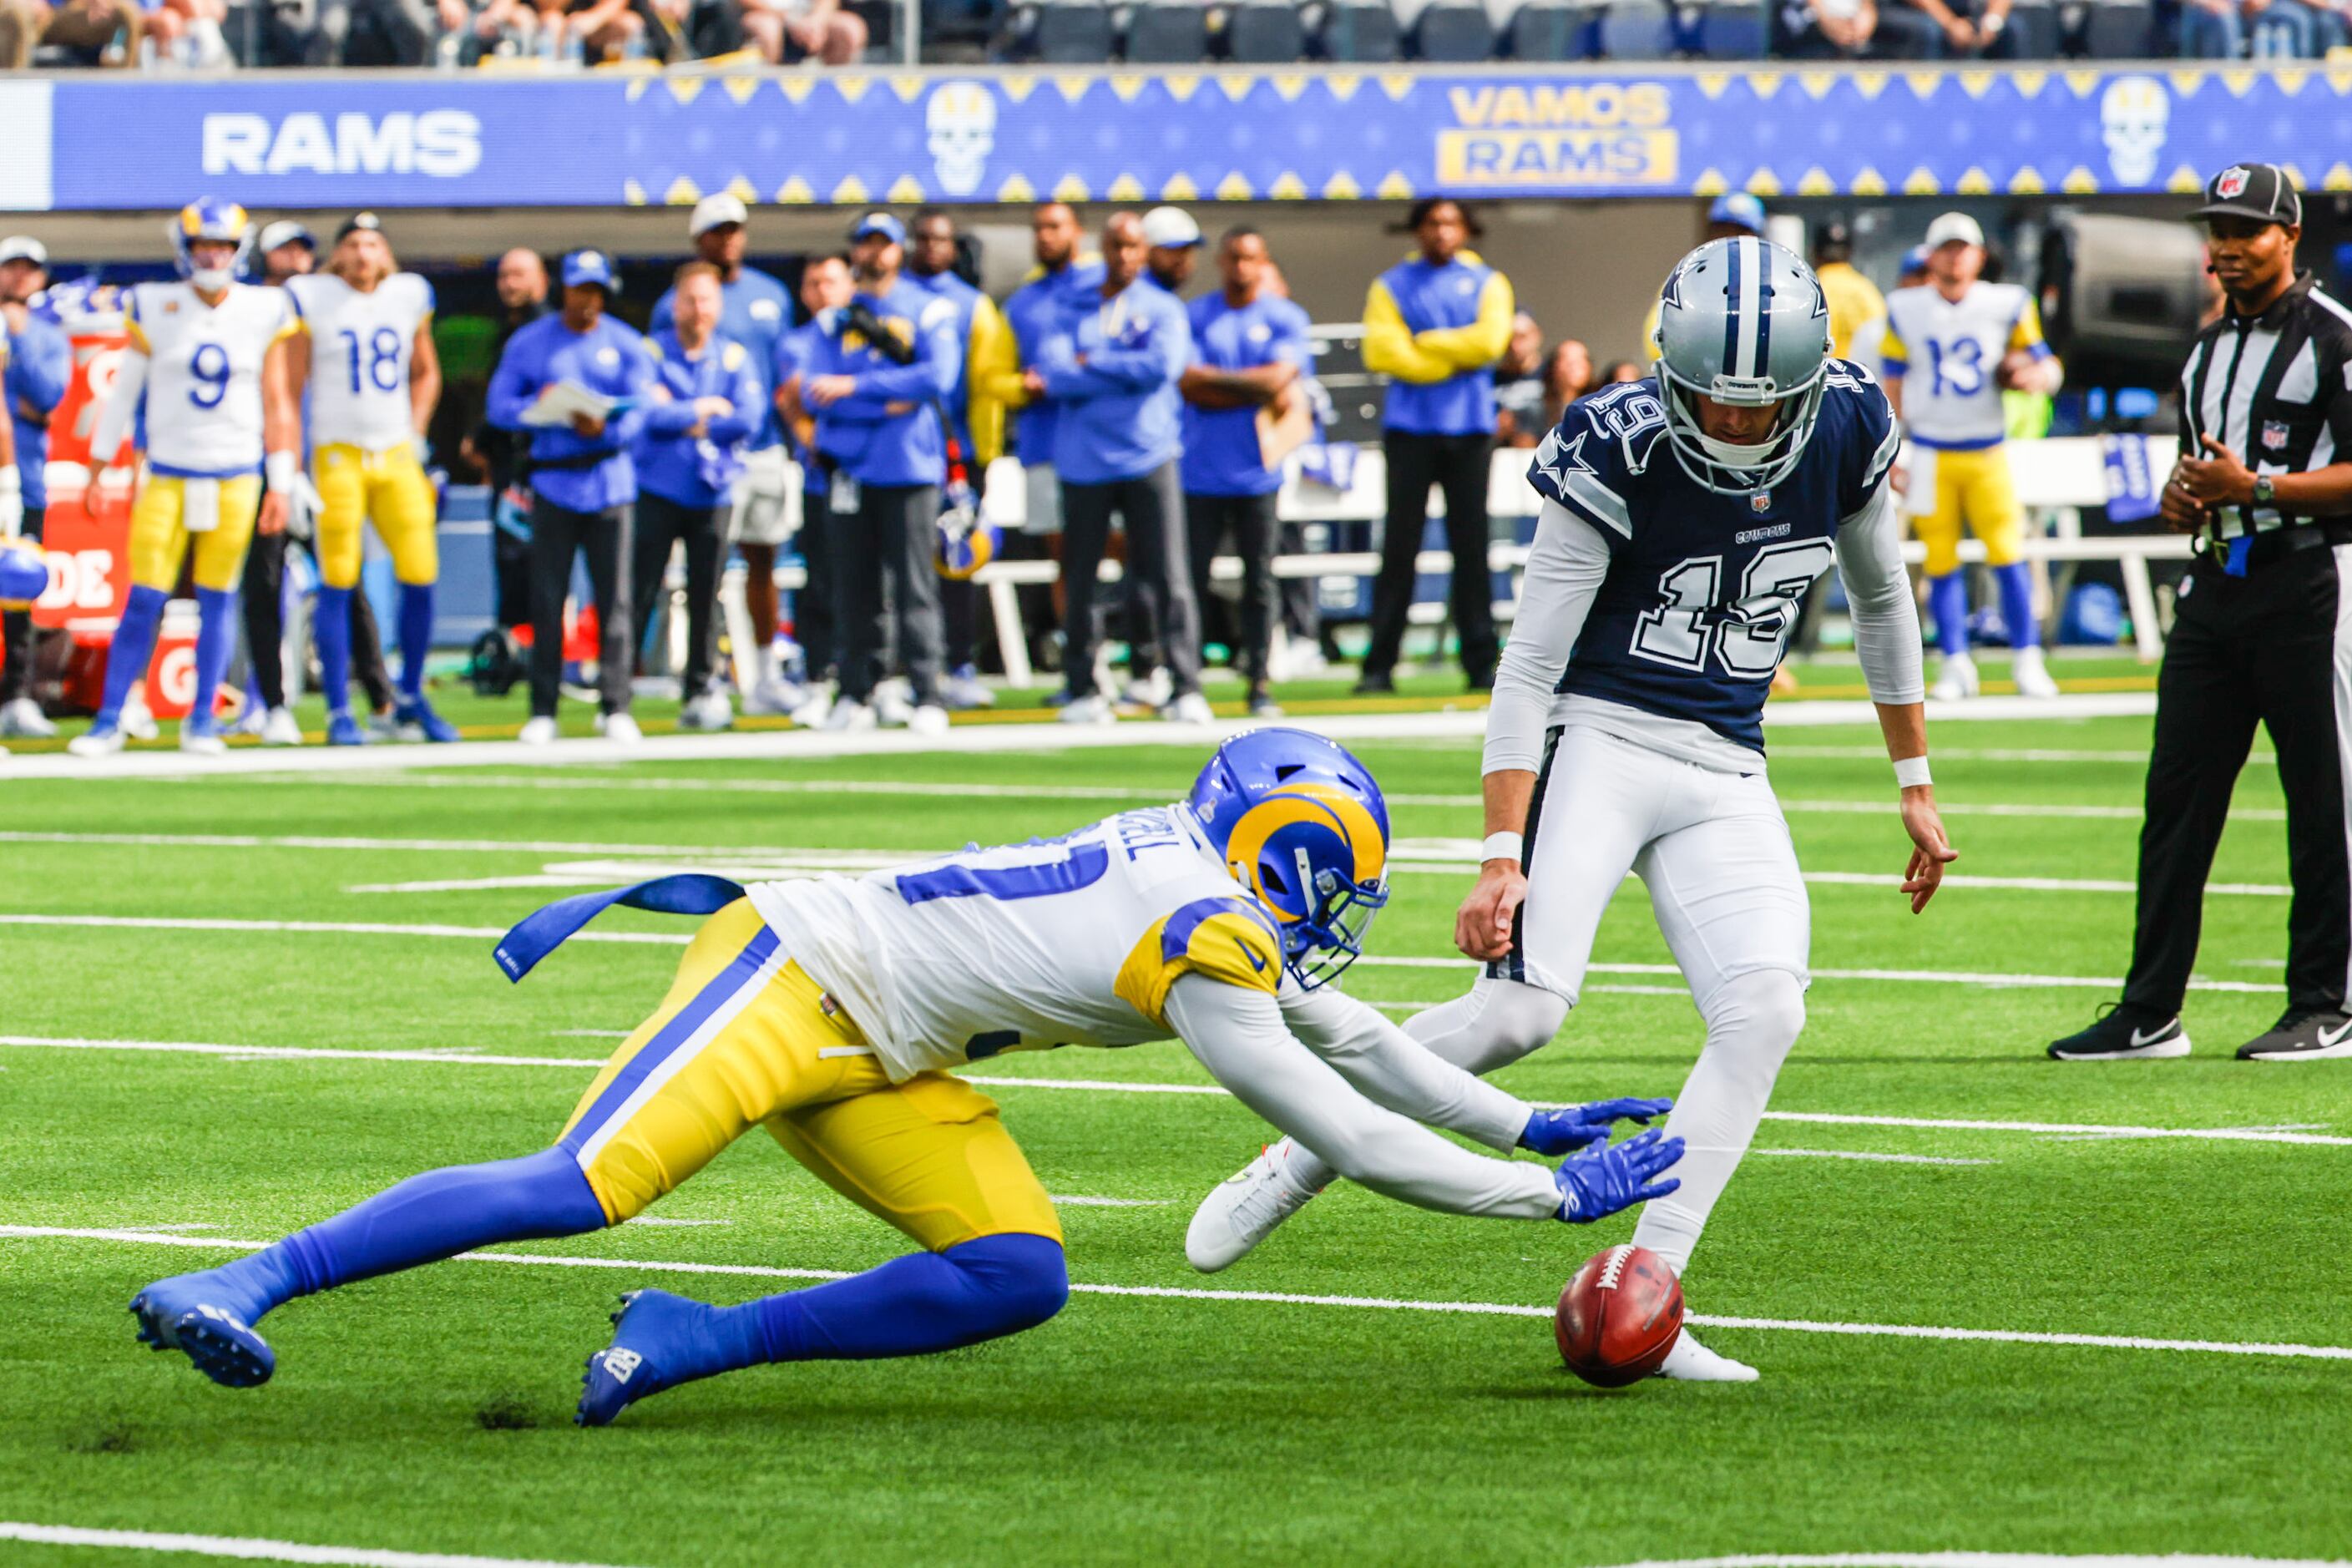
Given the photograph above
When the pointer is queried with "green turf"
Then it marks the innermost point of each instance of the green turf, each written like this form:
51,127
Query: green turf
430,1412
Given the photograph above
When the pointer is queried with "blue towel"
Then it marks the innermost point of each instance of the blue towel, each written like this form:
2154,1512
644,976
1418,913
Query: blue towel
542,931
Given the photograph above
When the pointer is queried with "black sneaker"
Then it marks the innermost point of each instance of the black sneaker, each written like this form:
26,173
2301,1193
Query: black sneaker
2123,1033
1375,685
2302,1034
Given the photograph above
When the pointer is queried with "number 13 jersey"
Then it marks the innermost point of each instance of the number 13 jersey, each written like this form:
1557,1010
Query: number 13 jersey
360,350
203,374
1702,589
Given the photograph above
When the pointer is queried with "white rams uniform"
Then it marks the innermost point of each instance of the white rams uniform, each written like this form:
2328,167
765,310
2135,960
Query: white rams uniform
1945,352
204,376
360,350
1071,940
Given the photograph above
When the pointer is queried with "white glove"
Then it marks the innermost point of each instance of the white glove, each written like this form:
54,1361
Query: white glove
304,505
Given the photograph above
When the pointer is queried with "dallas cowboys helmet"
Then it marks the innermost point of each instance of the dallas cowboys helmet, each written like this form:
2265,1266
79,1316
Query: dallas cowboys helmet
1742,321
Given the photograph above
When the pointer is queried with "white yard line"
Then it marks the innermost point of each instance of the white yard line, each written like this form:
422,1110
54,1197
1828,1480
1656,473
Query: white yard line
1493,1309
252,1548
2291,1133
1860,1154
1991,1560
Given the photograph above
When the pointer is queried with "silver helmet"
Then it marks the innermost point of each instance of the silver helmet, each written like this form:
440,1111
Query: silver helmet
1743,322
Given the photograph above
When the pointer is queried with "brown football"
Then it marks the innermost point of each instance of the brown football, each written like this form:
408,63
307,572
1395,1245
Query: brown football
1618,1316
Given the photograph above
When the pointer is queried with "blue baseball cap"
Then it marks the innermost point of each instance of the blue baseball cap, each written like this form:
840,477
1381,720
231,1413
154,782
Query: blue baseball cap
582,267
1740,208
1915,259
883,223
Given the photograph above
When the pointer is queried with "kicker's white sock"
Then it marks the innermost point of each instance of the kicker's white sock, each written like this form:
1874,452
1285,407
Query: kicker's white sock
1751,1022
1491,1025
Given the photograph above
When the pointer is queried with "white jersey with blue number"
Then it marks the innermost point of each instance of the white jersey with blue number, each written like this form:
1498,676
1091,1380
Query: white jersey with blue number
1702,590
360,345
1069,940
1947,353
203,374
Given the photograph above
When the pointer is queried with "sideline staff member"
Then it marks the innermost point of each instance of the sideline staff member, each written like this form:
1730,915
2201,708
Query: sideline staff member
2262,632
1435,323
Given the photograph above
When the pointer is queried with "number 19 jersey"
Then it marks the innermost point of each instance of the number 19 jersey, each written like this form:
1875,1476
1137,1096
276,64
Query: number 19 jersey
203,374
1703,589
360,345
1069,940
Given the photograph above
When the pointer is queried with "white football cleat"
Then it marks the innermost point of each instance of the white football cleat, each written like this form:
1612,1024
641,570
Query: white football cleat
202,742
1691,1361
1088,711
1189,709
135,722
847,715
1151,691
930,719
24,720
539,731
622,728
2029,668
1245,1208
711,711
814,709
963,689
97,742
773,694
1956,680
891,708
278,728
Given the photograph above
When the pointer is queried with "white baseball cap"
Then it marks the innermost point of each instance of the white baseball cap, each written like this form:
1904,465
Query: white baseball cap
712,211
24,247
285,231
1954,228
1170,229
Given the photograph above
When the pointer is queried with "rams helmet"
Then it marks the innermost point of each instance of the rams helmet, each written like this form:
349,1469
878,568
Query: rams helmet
210,218
1742,321
1302,826
967,540
24,574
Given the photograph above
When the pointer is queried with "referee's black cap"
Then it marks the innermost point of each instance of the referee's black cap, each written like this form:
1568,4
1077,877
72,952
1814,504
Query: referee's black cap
2259,191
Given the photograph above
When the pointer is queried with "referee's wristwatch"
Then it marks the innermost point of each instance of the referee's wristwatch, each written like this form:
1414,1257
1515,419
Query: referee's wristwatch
2265,493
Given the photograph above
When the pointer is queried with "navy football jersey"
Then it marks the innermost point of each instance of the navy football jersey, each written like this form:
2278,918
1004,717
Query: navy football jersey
1703,589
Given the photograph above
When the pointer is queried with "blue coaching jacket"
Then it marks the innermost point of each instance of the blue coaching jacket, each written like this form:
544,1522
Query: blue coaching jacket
1120,414
582,473
698,470
40,361
1436,333
875,445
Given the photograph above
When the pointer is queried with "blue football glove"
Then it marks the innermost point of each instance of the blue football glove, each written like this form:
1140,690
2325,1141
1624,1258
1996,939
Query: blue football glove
1598,1184
1565,1132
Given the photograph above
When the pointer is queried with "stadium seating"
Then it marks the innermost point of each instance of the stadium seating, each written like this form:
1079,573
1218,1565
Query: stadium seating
1352,32
1265,32
1071,32
1454,31
1551,30
1168,33
1637,30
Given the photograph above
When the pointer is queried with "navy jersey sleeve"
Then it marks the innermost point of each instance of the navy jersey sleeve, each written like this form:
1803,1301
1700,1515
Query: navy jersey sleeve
1855,413
1588,462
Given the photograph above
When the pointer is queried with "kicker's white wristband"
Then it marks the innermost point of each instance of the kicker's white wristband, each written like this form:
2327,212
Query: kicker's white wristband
281,468
1911,773
1501,846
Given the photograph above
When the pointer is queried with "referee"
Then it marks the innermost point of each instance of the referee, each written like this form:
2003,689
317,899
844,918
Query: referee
2262,633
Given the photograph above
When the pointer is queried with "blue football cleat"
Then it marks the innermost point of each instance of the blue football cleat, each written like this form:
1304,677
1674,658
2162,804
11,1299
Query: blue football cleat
342,729
648,1330
418,717
174,1314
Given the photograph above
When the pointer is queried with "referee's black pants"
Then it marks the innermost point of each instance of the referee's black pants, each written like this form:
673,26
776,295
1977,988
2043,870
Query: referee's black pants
2273,648
557,534
1456,464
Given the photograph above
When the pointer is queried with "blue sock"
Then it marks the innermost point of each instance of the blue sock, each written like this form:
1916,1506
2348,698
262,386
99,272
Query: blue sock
331,622
1947,600
126,660
423,1219
416,637
2017,604
215,640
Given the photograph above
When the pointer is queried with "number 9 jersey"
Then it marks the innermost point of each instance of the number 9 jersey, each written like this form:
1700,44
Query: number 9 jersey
1703,588
360,350
204,376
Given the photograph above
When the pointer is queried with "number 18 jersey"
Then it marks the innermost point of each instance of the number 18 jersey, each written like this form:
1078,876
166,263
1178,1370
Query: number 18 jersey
1703,589
360,350
1069,940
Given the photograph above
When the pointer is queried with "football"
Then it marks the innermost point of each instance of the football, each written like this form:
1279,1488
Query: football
1618,1316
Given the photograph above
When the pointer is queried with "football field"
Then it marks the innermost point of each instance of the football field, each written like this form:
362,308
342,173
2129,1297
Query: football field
2000,1305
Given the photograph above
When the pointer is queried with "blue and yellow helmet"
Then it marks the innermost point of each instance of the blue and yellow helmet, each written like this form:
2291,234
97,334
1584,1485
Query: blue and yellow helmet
1301,824
209,217
24,574
967,541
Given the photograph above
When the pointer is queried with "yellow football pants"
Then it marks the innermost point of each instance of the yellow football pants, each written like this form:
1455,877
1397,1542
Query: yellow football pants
387,489
744,1038
1972,490
159,541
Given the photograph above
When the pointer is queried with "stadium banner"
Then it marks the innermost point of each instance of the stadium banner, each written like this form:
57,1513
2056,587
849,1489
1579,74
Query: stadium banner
844,137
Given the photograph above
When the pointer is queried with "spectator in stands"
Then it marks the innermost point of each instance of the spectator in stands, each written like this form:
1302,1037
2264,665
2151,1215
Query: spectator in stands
874,375
1243,407
2268,29
826,287
40,361
1112,362
1852,298
1436,324
1623,370
985,345
712,399
521,282
1947,29
597,29
1173,242
1826,30
1519,386
755,311
787,32
85,30
584,486
1568,375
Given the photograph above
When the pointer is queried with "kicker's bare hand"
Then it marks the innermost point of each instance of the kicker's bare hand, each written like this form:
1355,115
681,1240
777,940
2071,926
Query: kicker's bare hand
1931,849
1482,929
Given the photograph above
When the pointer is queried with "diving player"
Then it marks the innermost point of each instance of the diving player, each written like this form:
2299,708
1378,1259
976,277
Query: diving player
207,355
829,1011
367,352
1952,344
1684,518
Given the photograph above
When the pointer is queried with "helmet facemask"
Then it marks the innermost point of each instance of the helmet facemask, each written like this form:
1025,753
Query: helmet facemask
1742,321
1730,468
1319,949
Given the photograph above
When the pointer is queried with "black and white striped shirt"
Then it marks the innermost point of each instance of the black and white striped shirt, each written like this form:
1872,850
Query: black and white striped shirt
2276,389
